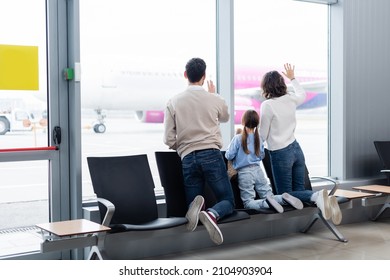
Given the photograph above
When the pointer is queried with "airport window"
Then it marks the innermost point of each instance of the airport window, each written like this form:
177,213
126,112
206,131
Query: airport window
25,184
36,178
136,40
22,195
269,33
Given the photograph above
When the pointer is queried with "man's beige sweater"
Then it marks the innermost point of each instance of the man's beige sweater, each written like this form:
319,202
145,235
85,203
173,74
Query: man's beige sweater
191,121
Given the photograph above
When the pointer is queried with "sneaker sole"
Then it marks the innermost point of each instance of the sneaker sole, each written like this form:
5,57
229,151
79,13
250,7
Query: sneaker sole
336,212
272,203
327,214
293,201
193,213
213,230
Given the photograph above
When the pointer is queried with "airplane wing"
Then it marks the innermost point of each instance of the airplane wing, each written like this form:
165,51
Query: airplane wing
311,86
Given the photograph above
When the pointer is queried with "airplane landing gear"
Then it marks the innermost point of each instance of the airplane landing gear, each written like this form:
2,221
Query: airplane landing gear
99,126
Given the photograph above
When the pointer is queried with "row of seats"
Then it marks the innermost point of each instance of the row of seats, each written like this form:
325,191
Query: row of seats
169,167
125,191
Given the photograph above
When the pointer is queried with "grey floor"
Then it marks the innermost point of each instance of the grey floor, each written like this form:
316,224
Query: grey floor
366,241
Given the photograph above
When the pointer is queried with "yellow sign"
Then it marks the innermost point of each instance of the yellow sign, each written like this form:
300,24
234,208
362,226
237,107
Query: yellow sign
19,67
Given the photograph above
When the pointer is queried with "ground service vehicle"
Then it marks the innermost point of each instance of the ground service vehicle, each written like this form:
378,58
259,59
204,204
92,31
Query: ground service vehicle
14,120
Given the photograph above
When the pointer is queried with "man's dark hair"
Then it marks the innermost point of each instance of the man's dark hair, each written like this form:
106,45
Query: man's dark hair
196,69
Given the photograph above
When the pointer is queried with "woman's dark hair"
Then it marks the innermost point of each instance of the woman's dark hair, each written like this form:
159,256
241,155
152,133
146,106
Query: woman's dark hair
250,119
196,69
273,85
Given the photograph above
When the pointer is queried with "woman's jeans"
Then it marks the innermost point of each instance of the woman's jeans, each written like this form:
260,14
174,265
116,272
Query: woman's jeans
289,168
208,166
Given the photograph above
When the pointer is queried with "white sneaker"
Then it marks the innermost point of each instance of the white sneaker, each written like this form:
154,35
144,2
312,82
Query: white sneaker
336,212
273,204
323,204
193,212
211,226
293,201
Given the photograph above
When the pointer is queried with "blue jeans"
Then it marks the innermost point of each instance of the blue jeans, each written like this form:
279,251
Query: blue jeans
252,180
288,168
208,166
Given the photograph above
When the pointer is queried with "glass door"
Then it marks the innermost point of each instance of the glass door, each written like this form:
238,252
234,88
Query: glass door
29,156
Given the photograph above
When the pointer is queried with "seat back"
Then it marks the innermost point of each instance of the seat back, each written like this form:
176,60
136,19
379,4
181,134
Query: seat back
127,182
383,151
268,170
235,188
171,177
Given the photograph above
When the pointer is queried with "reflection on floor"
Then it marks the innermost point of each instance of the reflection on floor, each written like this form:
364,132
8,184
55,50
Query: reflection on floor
366,241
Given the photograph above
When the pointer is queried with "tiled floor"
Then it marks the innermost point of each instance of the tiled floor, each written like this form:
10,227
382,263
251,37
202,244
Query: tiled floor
366,241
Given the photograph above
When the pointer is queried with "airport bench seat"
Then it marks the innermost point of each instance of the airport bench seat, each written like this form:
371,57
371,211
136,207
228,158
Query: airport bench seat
170,171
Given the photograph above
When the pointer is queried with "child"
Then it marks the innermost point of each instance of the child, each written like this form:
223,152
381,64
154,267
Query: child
246,150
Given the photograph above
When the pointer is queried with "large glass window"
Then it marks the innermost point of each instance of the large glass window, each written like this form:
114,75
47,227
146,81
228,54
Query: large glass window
133,55
24,190
269,33
23,79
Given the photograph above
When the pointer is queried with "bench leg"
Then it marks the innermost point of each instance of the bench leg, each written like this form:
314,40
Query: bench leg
96,254
97,251
328,224
384,207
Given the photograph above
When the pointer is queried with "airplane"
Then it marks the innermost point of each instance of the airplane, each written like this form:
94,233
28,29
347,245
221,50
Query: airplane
145,90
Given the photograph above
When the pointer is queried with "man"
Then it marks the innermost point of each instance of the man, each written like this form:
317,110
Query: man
192,129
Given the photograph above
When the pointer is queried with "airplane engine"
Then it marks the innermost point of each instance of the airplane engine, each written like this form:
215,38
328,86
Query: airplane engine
150,116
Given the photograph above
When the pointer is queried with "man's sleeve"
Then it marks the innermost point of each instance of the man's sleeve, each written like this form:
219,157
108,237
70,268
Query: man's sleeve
169,128
224,114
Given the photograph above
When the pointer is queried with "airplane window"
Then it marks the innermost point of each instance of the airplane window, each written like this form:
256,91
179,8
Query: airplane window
303,44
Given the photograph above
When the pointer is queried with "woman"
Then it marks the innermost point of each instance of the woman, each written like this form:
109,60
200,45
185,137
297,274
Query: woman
277,127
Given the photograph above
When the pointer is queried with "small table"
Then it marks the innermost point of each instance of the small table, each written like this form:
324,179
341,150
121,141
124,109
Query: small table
374,188
377,190
352,194
66,235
